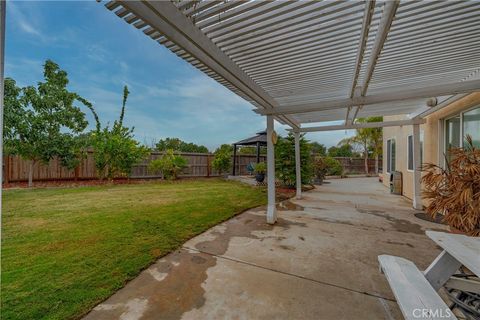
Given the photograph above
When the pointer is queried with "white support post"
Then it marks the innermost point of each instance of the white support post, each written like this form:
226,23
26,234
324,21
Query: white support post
3,6
417,174
271,209
298,172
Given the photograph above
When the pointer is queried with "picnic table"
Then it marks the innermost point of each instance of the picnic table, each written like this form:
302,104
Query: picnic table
416,291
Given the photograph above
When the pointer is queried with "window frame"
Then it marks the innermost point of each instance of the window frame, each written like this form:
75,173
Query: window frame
389,155
444,122
408,151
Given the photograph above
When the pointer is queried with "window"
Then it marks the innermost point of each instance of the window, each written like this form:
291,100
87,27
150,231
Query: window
410,151
471,125
390,155
459,126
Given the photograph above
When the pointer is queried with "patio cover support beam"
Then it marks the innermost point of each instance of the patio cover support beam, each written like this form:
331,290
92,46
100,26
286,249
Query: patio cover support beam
389,11
165,17
298,171
364,125
417,174
400,95
271,209
367,19
3,6
234,173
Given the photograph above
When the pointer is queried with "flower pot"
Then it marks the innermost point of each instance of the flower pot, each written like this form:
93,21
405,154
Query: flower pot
260,177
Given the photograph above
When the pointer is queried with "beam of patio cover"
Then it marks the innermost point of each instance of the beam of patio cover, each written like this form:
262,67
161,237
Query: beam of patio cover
382,33
364,125
438,90
165,17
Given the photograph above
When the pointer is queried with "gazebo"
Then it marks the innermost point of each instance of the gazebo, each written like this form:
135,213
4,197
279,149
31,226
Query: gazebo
260,140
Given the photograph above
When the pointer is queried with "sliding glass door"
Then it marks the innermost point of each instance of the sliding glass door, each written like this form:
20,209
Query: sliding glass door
461,125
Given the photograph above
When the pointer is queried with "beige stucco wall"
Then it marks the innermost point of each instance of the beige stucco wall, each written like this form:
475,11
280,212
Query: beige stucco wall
431,143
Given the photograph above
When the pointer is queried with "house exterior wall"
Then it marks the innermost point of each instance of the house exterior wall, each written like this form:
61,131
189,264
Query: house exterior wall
432,140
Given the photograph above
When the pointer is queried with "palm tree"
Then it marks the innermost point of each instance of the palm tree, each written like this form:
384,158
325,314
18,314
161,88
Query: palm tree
368,140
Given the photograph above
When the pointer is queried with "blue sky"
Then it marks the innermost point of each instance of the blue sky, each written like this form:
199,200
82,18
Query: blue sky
101,53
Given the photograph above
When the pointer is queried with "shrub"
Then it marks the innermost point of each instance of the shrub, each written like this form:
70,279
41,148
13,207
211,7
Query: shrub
115,149
455,192
333,166
223,158
319,168
169,165
260,168
285,160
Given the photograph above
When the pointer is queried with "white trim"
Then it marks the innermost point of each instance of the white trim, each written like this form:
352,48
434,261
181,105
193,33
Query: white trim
394,96
364,125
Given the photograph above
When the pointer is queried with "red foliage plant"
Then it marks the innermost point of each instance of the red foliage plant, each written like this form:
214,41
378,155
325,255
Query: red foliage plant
454,191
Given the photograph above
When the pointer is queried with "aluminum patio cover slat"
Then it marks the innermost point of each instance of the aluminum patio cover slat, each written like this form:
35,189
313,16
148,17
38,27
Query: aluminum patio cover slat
284,54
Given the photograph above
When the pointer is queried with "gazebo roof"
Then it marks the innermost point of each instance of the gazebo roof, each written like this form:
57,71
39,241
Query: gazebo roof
261,138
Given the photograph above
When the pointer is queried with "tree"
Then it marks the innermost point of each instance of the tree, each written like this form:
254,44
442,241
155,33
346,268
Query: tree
178,145
343,150
13,117
42,122
318,148
285,160
115,149
223,158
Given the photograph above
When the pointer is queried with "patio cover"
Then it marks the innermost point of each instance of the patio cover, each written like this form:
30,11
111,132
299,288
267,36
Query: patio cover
309,62
315,61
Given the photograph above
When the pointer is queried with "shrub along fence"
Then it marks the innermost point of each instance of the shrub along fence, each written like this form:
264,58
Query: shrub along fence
15,169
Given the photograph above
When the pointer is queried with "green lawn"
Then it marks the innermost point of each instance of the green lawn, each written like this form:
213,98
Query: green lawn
64,250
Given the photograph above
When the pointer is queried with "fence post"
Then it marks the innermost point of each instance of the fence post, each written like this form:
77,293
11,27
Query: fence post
208,165
6,175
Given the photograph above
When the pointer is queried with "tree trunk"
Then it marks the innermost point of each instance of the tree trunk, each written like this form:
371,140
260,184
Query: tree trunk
366,162
30,173
376,164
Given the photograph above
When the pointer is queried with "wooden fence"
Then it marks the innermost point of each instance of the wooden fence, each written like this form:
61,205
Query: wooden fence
357,165
199,165
15,169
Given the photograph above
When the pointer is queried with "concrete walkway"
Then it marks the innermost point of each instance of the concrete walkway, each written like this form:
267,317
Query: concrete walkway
318,262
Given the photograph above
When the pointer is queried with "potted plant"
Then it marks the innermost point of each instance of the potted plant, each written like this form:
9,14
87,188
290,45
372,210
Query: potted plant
320,170
260,170
454,191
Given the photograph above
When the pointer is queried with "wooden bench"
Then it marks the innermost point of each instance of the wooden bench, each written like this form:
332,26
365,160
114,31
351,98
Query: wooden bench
416,291
415,296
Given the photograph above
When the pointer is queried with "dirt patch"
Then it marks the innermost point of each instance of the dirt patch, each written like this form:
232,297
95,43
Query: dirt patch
288,205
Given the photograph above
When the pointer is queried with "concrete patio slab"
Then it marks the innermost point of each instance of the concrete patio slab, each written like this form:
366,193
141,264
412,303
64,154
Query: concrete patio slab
318,262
